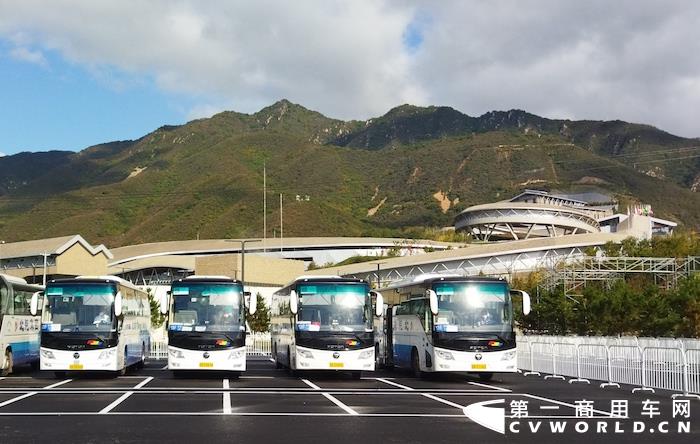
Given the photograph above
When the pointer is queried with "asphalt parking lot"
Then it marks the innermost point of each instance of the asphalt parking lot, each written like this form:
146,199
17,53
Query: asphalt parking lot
269,405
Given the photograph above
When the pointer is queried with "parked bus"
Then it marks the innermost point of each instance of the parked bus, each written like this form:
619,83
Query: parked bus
324,323
19,329
206,324
94,323
451,324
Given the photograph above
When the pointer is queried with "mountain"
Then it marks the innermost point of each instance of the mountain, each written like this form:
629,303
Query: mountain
388,176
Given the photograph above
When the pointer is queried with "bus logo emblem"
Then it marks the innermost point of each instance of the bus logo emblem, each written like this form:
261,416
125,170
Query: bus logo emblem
477,356
336,355
76,355
206,355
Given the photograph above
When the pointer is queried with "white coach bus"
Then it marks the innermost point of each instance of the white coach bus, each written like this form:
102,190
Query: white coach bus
94,323
451,324
325,323
19,329
206,324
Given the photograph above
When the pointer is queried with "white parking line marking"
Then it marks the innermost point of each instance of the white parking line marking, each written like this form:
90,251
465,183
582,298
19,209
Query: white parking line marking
123,397
395,384
256,377
27,395
331,398
227,398
493,387
165,367
427,395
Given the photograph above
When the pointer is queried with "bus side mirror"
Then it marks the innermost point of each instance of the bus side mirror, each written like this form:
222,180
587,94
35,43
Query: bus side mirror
118,304
293,302
34,304
164,303
252,302
432,297
526,300
378,304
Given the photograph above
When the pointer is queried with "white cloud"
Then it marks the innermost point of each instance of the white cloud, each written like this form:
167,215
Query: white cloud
597,59
27,55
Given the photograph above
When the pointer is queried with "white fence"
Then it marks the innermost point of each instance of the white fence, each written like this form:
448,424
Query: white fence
646,363
257,344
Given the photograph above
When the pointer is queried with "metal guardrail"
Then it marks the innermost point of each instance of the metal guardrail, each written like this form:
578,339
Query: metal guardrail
257,344
644,363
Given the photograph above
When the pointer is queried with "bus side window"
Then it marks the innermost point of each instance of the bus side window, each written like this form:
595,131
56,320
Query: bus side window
5,303
22,301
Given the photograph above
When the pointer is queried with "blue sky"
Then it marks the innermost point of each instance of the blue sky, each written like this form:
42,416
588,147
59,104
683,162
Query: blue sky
63,106
74,73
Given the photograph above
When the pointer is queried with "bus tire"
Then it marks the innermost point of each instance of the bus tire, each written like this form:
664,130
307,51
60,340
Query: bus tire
7,366
415,365
142,363
35,365
59,375
356,375
122,371
486,376
234,375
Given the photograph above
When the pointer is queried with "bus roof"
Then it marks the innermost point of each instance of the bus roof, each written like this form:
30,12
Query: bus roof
329,278
433,277
204,278
96,279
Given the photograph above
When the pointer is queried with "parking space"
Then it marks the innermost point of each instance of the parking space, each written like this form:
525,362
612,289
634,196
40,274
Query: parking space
390,399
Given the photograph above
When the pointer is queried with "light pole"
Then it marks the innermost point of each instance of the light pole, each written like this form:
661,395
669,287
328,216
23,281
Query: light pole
2,242
379,283
243,242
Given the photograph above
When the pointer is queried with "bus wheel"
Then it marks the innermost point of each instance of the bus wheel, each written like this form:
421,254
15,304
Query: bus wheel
415,365
122,371
356,375
234,375
7,367
485,376
59,375
142,363
35,365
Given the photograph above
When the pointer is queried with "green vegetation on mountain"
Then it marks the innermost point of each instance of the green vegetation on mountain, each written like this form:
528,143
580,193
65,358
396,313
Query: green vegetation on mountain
397,175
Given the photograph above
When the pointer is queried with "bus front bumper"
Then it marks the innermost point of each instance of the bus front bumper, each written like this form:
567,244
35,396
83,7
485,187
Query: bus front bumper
503,361
105,359
353,360
232,359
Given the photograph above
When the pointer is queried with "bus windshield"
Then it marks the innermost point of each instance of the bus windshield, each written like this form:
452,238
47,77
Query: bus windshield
472,306
79,308
334,307
207,307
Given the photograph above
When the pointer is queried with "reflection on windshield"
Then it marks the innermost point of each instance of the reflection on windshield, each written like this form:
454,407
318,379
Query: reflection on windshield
334,307
207,307
472,307
79,308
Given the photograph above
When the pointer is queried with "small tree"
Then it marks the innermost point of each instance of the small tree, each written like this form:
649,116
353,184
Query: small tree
157,318
260,321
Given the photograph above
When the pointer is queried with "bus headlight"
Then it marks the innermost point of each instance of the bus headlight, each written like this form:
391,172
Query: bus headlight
305,354
367,354
236,354
508,356
176,354
47,354
107,354
447,356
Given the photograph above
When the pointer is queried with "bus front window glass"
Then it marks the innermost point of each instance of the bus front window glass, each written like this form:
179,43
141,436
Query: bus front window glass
334,307
79,308
472,307
206,307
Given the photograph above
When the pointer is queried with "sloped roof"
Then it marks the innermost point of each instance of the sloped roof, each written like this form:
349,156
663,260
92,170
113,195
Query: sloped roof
51,246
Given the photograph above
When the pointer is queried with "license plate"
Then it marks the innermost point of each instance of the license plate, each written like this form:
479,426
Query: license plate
206,364
336,365
75,367
478,366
